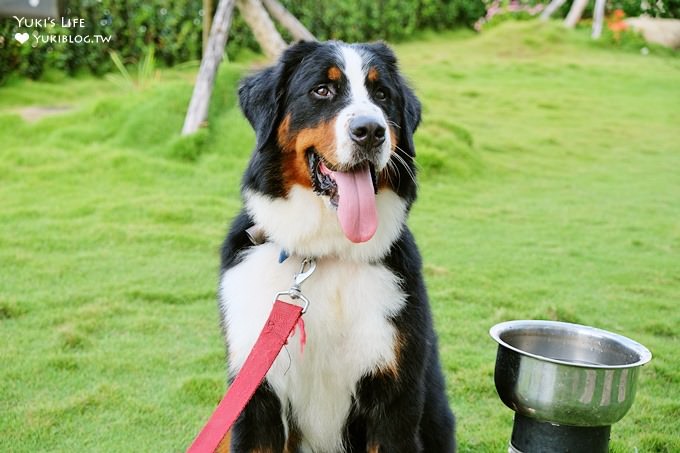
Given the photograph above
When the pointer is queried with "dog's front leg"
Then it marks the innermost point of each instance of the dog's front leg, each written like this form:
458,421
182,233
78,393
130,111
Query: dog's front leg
259,428
394,431
393,419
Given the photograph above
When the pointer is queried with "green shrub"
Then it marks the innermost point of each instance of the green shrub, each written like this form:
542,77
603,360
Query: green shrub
660,8
632,8
174,30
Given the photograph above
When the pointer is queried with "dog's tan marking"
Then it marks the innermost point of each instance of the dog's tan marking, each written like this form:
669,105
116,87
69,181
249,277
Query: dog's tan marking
390,370
224,445
373,448
283,133
294,145
373,74
295,168
334,73
293,442
393,137
321,138
388,177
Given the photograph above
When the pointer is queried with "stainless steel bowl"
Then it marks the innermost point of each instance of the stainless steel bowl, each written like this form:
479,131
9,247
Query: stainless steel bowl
566,373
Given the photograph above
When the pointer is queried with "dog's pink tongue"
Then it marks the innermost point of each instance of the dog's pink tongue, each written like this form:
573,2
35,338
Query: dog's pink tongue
356,204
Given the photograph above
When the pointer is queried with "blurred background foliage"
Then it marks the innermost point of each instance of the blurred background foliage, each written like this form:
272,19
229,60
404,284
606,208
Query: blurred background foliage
174,29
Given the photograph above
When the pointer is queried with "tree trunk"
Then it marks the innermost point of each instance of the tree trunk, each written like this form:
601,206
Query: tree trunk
285,18
575,13
553,6
207,23
262,26
200,99
598,18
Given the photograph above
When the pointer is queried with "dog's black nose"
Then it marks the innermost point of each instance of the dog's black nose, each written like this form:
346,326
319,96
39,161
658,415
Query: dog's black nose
366,131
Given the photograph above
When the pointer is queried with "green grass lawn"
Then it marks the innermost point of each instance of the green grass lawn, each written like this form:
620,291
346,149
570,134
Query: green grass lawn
549,189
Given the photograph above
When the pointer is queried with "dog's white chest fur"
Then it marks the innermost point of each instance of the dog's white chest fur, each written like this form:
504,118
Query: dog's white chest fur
349,334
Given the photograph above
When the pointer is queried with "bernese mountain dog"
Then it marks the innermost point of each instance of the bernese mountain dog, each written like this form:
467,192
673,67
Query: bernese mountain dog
332,178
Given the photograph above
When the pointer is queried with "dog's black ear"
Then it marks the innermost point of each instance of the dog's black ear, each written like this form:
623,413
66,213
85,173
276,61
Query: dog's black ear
257,96
410,116
261,95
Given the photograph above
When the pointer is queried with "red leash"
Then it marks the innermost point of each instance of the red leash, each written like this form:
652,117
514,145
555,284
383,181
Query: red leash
274,335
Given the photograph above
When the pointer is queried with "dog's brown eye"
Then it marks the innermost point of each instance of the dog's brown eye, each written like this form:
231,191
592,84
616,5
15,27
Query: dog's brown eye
380,94
323,91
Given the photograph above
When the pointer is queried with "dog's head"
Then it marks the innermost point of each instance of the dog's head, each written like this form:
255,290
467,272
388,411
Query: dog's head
334,156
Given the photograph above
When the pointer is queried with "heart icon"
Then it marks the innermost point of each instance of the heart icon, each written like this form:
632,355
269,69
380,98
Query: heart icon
21,37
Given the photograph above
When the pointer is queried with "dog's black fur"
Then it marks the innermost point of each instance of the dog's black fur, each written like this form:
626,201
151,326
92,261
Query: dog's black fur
403,411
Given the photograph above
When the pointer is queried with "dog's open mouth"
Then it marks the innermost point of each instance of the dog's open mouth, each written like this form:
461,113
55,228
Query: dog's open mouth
352,191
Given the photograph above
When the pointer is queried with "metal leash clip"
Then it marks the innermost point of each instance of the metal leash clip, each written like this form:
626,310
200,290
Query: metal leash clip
294,292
